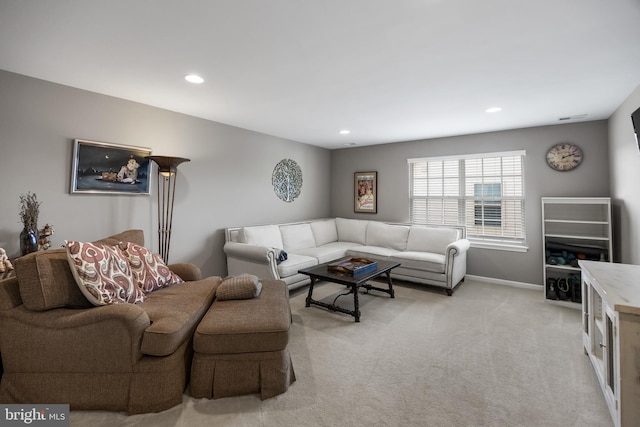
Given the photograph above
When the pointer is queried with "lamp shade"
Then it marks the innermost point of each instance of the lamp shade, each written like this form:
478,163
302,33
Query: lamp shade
167,163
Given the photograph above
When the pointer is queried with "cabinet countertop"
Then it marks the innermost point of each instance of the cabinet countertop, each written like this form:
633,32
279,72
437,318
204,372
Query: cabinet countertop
620,283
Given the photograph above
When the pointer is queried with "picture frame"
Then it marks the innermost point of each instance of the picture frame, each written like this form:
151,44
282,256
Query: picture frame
366,192
108,168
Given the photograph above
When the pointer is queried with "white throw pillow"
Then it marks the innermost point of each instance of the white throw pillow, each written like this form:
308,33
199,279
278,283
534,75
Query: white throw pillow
352,230
430,239
263,235
324,232
297,236
387,235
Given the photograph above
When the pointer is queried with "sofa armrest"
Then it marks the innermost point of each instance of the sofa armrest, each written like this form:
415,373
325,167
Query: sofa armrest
99,339
260,254
252,259
9,293
187,271
456,261
458,247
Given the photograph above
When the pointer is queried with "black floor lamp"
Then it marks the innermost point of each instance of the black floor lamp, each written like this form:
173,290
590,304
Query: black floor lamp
167,168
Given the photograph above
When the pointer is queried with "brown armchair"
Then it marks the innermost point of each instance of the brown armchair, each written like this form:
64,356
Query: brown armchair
58,348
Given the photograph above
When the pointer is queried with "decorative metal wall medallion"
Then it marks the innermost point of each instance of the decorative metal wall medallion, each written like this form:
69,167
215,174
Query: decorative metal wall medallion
287,180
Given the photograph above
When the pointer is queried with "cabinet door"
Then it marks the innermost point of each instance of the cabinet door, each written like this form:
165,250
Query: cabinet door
586,310
596,331
610,358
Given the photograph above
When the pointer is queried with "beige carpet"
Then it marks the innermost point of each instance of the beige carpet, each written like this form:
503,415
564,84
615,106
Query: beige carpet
490,355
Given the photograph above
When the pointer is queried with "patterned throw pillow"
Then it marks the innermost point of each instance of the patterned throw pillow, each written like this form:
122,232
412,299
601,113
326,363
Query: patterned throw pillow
244,286
149,271
102,273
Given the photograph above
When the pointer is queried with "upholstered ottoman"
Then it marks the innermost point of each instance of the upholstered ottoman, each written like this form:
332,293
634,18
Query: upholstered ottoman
240,346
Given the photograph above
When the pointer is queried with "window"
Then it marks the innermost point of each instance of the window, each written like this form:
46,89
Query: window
487,208
483,192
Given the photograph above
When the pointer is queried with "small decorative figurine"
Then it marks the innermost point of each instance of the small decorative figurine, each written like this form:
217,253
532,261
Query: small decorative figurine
45,235
5,264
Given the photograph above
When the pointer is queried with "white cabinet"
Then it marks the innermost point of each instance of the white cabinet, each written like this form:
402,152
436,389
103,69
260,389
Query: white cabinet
611,334
573,229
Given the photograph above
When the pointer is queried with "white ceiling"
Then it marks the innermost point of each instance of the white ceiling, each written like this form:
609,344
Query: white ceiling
388,70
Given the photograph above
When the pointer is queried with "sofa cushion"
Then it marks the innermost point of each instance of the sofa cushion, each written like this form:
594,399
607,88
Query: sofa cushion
149,270
352,230
9,293
46,282
324,231
297,236
386,235
329,252
133,236
426,261
263,235
295,263
244,286
174,313
371,252
103,273
430,239
248,326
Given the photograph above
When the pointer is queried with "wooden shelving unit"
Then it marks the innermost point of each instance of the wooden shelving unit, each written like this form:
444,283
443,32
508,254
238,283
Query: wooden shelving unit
573,229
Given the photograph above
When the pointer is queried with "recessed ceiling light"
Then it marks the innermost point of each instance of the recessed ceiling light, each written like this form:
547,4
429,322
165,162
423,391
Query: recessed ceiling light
194,78
345,132
350,144
493,109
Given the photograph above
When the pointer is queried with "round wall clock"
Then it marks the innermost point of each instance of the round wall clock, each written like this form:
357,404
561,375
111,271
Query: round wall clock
564,156
287,180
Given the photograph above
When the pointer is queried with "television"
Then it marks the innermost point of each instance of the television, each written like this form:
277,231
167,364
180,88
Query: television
635,119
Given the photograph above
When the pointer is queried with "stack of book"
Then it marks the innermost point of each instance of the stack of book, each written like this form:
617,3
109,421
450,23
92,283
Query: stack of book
353,266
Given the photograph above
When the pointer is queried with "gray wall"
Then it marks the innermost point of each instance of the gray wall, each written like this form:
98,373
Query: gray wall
390,160
625,178
227,182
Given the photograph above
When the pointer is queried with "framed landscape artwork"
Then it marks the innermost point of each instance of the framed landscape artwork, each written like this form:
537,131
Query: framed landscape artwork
103,167
366,192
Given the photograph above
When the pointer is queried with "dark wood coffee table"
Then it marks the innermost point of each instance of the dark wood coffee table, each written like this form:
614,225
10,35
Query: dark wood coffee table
321,272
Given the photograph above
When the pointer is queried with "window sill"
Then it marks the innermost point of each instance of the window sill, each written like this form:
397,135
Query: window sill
498,246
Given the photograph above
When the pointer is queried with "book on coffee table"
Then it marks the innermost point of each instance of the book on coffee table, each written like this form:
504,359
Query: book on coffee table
353,266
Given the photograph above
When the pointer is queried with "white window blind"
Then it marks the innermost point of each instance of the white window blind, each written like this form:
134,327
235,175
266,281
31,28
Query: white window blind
483,192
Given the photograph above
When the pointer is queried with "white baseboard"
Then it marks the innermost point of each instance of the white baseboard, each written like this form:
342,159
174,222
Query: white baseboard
531,286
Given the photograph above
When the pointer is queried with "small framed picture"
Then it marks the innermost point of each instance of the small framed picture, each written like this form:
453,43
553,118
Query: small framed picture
103,167
366,192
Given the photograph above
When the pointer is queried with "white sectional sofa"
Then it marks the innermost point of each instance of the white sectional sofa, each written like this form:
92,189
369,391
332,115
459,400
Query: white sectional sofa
429,255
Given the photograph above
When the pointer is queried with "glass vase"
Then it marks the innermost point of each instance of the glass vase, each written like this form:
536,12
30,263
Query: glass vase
28,241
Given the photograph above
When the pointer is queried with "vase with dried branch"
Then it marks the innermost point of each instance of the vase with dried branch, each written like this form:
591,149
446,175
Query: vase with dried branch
29,212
